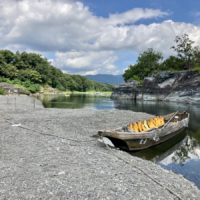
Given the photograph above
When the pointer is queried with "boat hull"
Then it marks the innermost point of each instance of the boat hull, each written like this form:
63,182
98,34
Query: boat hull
135,145
134,141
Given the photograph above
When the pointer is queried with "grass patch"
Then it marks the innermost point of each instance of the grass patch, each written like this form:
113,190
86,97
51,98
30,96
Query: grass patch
2,91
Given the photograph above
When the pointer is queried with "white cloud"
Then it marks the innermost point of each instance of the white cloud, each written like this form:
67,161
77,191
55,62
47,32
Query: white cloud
125,69
83,42
85,62
139,38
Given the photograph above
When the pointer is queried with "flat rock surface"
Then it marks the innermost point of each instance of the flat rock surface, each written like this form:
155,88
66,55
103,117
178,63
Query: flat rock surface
35,166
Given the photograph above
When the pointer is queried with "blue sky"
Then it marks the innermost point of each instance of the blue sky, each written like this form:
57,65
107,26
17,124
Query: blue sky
181,10
96,36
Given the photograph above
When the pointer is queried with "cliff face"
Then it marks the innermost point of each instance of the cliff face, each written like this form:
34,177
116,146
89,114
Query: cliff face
181,86
125,90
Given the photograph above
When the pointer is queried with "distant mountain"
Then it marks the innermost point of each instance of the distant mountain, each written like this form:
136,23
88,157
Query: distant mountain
107,78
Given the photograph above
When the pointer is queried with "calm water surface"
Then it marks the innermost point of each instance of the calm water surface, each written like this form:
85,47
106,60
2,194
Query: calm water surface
180,154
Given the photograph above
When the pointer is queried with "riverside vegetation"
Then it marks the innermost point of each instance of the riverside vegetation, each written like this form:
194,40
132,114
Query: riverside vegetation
188,58
31,70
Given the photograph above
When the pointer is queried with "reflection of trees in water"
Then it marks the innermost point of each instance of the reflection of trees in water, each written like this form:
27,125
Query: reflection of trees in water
188,147
72,101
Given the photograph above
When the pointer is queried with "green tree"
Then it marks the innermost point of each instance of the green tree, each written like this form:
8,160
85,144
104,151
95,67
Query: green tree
184,49
28,69
8,71
150,59
147,62
8,56
173,64
29,74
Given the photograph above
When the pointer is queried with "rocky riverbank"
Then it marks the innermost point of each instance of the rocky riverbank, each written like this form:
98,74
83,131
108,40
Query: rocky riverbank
35,166
181,86
11,89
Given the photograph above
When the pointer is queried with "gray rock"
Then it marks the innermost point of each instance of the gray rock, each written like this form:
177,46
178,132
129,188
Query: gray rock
11,89
125,90
183,86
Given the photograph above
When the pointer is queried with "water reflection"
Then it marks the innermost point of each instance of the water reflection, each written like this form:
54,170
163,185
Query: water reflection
76,101
180,154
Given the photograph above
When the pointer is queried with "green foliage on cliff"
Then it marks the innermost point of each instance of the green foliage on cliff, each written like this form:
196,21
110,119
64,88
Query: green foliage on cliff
31,69
188,57
27,85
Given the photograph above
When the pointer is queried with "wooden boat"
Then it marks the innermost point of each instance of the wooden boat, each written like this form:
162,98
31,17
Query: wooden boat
129,140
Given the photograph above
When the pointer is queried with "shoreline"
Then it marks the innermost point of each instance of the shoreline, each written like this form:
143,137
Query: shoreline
41,166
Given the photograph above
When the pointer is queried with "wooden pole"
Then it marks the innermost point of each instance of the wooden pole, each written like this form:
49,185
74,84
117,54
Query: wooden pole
169,120
186,110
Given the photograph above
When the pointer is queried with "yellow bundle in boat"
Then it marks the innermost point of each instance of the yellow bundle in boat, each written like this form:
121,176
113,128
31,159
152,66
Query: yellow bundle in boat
151,123
146,124
139,124
176,122
143,127
131,126
135,127
162,120
158,122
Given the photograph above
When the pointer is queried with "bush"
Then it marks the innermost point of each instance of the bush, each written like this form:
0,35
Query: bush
16,81
135,77
60,87
34,88
27,83
197,69
5,80
2,91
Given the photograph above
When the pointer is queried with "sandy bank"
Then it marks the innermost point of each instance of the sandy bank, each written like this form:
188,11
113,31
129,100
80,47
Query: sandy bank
34,166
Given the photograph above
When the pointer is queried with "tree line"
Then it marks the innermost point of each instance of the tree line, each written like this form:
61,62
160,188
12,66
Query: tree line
30,70
188,57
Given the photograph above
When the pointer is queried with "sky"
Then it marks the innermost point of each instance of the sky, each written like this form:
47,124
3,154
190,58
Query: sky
96,36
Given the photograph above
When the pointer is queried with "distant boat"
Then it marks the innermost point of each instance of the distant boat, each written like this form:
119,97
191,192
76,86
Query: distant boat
67,95
131,140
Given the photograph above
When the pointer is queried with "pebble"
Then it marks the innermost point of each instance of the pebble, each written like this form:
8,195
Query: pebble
75,170
61,173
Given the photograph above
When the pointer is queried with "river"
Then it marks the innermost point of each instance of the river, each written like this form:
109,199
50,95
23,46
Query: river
180,154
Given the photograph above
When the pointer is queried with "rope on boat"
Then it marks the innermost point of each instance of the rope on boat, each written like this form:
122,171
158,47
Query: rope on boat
142,171
108,148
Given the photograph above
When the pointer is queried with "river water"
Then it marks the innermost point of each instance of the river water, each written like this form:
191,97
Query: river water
180,154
